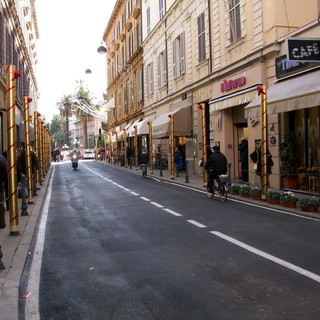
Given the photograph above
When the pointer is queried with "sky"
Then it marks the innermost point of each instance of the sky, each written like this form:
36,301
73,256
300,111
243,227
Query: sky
70,32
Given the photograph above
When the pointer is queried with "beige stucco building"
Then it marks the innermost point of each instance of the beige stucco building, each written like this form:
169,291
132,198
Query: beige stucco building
216,54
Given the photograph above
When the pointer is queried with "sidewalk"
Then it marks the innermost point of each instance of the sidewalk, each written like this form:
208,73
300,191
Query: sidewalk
197,183
15,251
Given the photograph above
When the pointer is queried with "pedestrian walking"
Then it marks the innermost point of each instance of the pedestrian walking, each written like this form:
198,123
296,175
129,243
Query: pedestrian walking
178,161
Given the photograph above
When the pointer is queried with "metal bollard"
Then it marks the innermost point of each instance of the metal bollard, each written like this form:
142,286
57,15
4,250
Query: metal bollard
24,205
2,267
187,172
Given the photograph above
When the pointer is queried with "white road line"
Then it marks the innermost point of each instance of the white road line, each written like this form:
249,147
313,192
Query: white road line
134,193
198,224
32,304
145,199
157,204
265,255
172,212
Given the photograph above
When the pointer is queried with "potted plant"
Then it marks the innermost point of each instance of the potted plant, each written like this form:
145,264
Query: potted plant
308,204
288,160
255,193
245,191
273,197
288,199
234,189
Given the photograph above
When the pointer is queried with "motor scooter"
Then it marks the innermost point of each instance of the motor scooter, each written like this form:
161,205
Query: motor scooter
74,162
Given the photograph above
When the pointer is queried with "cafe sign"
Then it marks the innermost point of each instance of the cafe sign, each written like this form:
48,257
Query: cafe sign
303,49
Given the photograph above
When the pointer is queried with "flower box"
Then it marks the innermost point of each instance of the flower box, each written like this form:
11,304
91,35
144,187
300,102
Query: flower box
273,197
245,191
288,199
308,204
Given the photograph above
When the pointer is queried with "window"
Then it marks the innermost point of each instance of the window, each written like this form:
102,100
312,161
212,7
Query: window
125,98
118,103
130,46
162,69
161,9
140,86
234,16
178,56
201,38
148,21
123,54
138,34
128,8
149,82
131,92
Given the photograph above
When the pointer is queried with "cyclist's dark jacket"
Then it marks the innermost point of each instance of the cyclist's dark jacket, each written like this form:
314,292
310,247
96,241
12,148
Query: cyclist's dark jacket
218,163
143,158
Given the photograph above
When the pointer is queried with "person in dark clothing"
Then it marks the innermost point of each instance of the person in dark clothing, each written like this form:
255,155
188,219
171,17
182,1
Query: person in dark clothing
143,160
3,187
255,156
217,164
178,160
243,157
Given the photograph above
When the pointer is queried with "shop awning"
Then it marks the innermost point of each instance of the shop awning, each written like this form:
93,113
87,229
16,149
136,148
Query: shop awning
234,99
131,130
182,123
300,92
142,127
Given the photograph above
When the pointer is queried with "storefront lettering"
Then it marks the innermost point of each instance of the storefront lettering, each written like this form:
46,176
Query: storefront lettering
307,51
232,84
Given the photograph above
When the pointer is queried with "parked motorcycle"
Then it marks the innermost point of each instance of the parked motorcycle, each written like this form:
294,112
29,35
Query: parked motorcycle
74,162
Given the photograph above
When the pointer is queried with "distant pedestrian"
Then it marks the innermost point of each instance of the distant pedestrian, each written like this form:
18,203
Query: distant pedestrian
158,154
178,161
243,158
143,161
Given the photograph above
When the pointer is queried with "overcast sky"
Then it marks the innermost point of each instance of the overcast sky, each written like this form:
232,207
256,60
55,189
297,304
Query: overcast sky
70,33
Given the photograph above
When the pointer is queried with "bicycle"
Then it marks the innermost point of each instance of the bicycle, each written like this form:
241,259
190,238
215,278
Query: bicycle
143,168
221,187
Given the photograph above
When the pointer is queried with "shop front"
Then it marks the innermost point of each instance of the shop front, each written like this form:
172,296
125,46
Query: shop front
228,123
293,108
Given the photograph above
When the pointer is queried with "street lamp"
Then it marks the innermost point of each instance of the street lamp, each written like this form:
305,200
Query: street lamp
102,49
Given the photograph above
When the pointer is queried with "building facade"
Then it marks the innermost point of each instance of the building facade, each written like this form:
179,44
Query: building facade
216,54
18,36
123,38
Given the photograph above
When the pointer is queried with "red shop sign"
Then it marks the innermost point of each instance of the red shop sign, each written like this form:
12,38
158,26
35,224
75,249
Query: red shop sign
232,84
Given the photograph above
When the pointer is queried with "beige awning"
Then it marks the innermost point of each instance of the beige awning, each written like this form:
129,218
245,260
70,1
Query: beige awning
142,127
299,92
182,123
132,131
234,99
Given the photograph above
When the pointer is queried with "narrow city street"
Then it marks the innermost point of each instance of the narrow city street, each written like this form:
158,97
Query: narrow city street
120,246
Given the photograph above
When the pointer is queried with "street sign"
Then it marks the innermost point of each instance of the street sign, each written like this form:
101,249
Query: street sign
303,49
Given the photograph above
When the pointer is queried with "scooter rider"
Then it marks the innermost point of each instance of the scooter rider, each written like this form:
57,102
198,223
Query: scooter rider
216,165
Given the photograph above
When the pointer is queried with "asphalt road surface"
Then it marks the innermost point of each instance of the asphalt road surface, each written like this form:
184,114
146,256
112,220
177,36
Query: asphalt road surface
118,246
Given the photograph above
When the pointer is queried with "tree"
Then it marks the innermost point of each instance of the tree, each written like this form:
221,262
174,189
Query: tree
84,109
65,106
57,132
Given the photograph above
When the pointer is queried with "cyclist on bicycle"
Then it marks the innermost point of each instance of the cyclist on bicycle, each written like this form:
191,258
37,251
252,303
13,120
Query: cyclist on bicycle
216,165
143,160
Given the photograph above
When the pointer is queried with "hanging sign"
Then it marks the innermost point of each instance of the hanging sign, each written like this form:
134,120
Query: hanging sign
303,49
